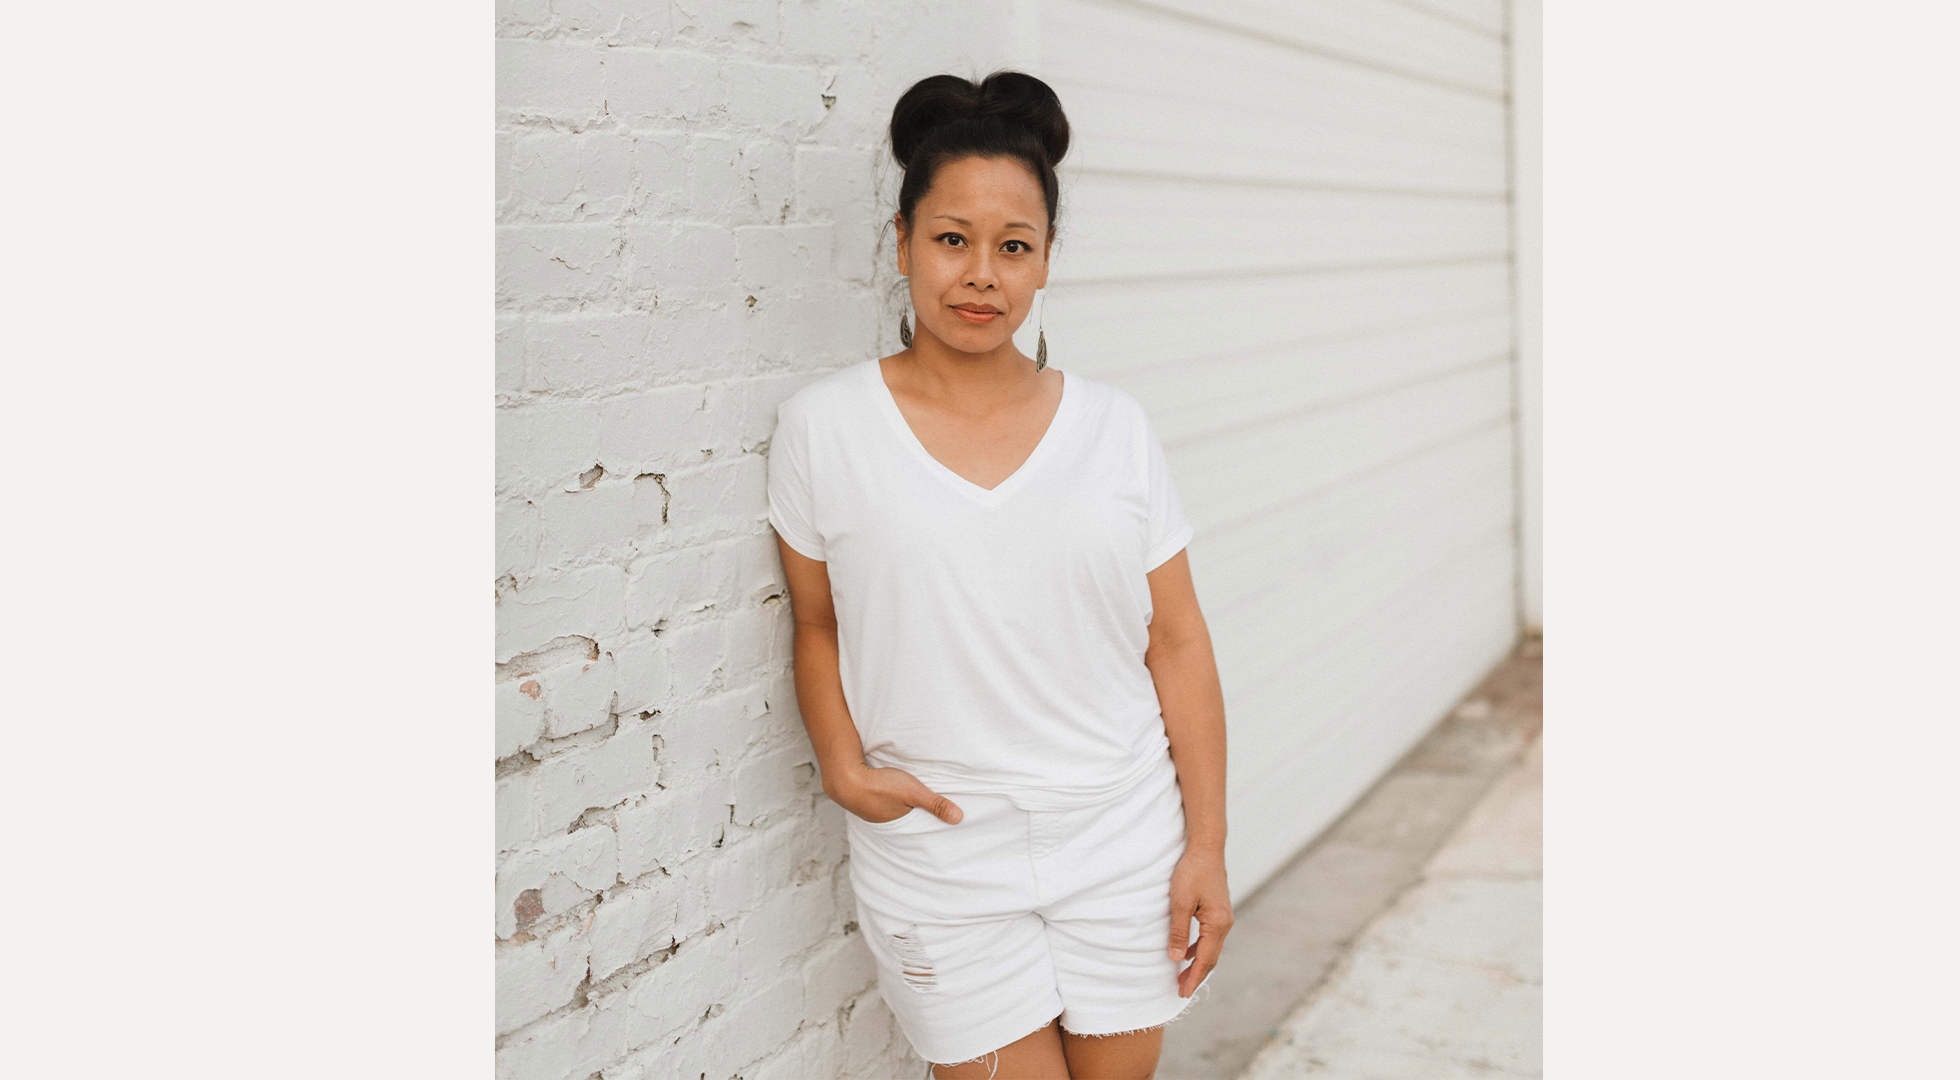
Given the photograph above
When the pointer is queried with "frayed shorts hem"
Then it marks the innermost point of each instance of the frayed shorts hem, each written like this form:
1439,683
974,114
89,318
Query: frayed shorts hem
1006,1033
1183,1009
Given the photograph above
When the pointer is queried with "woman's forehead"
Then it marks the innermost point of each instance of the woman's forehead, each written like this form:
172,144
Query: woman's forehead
986,190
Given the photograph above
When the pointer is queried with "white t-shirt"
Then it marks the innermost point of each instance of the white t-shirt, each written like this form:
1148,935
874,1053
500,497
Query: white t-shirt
990,640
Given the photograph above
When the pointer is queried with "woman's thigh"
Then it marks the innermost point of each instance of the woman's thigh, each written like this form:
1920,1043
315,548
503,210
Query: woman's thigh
1037,1056
1113,1057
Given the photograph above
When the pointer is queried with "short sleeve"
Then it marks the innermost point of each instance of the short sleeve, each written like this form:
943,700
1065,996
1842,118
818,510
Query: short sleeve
792,503
1169,531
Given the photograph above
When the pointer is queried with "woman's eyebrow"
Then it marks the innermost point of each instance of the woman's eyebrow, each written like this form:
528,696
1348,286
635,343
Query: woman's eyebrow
969,224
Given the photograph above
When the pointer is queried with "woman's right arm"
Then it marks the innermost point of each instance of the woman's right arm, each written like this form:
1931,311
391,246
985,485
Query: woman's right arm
873,794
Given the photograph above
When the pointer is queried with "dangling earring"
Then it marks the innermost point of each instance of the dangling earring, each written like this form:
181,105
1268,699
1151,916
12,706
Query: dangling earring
904,330
1041,338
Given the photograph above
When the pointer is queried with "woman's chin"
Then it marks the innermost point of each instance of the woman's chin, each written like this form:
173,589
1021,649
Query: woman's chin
973,339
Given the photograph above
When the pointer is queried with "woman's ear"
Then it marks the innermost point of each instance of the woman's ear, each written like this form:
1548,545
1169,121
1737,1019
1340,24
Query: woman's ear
904,234
1047,259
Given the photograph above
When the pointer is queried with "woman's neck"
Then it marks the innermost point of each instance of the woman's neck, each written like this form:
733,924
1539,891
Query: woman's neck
975,381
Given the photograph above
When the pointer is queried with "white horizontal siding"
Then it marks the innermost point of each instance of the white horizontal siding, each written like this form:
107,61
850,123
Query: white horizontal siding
1286,230
1135,228
1160,95
1424,43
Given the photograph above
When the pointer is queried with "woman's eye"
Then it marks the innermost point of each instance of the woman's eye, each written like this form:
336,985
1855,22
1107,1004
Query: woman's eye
954,239
1015,247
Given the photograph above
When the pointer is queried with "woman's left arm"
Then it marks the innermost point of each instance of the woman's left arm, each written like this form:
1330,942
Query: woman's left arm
1186,674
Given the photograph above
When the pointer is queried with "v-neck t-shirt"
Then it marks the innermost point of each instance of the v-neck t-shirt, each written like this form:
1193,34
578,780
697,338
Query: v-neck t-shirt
990,640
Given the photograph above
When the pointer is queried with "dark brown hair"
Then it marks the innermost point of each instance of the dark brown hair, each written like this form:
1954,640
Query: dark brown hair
1009,114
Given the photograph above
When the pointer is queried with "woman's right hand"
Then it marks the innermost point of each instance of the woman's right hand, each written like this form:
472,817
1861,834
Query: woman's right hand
882,795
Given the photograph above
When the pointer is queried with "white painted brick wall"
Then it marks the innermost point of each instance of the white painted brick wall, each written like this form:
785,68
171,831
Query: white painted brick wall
687,227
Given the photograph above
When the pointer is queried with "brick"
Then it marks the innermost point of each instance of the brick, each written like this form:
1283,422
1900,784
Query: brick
605,174
539,976
859,113
672,584
781,99
565,870
517,811
558,263
756,567
680,990
523,12
540,168
548,1051
827,30
773,784
785,924
611,1029
559,81
785,1064
579,696
623,21
633,924
698,342
646,677
576,524
771,170
696,653
817,323
644,86
749,649
699,261
720,497
742,22
589,602
652,432
660,172
585,351
770,256
766,1016
510,355
669,827
520,715
602,775
694,919
719,188
650,502
724,403
542,445
568,1047
839,970
517,537
832,183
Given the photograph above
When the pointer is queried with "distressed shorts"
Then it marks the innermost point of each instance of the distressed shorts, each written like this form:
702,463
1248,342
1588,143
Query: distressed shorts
985,931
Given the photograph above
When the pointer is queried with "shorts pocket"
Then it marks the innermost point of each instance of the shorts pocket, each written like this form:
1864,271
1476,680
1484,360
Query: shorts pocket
917,821
895,822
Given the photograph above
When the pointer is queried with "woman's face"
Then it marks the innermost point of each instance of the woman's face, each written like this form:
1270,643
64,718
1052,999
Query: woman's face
976,252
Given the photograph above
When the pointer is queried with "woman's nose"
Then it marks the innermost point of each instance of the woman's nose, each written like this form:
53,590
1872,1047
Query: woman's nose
980,272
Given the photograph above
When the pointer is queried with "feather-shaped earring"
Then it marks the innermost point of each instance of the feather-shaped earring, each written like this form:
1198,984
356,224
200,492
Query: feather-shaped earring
1041,338
904,330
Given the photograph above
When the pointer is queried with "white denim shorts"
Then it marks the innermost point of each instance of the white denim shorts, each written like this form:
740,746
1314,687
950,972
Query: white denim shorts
987,930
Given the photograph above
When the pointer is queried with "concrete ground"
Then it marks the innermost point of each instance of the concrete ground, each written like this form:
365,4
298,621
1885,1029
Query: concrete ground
1403,944
1449,981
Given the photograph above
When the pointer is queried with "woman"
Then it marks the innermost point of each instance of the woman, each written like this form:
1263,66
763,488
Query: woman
999,654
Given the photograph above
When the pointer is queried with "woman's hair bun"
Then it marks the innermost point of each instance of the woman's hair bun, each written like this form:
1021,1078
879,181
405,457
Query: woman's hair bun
1011,99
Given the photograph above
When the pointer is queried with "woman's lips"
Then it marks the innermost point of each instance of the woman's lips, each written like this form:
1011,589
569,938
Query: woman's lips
977,318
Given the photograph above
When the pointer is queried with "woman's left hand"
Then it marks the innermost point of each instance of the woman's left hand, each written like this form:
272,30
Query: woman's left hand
1198,888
